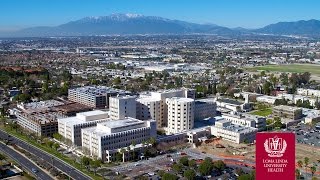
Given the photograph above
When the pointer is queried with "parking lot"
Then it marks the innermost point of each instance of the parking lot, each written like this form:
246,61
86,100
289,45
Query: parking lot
306,134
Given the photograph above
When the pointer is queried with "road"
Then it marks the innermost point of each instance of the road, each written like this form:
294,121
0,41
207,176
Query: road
24,162
61,165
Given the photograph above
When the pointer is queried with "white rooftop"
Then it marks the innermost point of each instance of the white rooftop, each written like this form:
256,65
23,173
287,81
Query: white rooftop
84,117
181,99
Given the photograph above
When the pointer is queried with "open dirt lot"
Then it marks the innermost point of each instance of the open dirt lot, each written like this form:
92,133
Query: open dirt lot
244,151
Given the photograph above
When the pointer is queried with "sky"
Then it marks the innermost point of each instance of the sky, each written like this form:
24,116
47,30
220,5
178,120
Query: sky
17,14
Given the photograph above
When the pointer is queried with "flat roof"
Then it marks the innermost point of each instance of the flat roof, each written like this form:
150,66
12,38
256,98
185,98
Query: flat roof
122,123
181,99
92,113
147,99
229,101
74,120
284,107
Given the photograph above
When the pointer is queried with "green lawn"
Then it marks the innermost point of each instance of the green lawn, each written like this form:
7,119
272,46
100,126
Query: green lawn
263,112
294,68
53,152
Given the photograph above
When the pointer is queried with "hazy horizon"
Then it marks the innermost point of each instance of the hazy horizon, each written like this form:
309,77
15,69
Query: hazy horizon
251,14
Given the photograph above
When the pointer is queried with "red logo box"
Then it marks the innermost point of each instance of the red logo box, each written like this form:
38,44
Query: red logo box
275,156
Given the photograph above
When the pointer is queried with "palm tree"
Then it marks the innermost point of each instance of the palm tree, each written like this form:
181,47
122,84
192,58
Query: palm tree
122,151
133,143
297,174
306,162
300,163
313,170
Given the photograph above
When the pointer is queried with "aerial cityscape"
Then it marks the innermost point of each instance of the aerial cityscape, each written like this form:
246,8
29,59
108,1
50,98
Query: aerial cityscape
87,92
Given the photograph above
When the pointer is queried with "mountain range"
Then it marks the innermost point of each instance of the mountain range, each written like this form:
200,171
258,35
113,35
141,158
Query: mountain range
130,24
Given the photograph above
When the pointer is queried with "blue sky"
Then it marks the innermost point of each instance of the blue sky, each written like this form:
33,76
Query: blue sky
15,14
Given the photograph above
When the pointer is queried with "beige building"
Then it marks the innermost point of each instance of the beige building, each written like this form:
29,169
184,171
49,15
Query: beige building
155,98
247,120
180,114
39,117
233,133
107,138
289,112
70,128
122,106
149,108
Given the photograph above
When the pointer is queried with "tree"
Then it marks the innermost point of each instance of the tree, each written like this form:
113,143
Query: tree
95,164
245,177
267,88
206,167
169,176
219,165
117,81
85,161
192,163
297,173
184,161
2,157
189,174
56,146
300,163
50,144
306,161
152,141
119,157
313,169
177,167
57,136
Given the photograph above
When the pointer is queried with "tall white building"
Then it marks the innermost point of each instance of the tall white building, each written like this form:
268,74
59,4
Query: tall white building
122,106
107,138
160,97
180,114
70,128
149,108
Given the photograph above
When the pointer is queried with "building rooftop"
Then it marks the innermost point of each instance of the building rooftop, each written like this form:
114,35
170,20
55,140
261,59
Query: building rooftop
236,128
40,106
122,123
115,126
286,108
181,99
124,97
102,116
229,101
98,90
92,113
147,99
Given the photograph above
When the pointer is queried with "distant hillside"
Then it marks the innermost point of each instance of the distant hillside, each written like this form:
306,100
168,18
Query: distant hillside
132,24
118,24
303,28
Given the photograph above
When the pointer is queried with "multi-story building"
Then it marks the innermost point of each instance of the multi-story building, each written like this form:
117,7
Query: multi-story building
94,96
162,95
289,112
247,120
105,140
308,92
204,108
180,114
70,128
38,117
122,106
233,133
149,108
